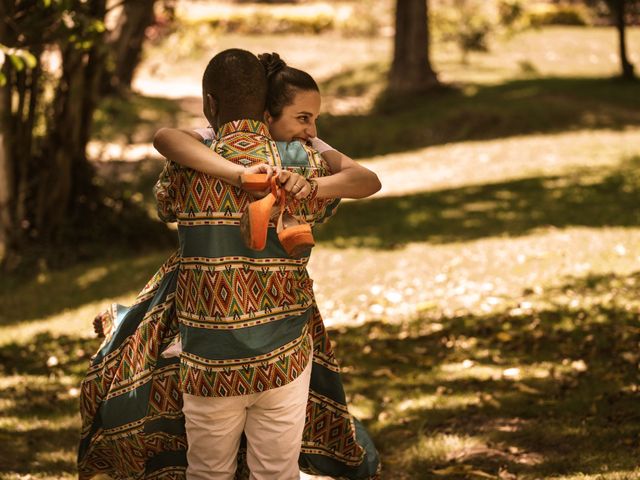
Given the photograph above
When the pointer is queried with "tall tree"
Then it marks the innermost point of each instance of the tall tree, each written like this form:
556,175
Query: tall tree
618,9
45,172
125,43
7,223
411,69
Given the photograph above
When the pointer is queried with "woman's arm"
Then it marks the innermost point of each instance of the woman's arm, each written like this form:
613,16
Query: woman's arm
348,178
183,147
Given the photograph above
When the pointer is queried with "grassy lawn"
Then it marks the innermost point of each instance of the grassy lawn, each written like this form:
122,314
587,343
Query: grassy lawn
499,347
534,390
484,305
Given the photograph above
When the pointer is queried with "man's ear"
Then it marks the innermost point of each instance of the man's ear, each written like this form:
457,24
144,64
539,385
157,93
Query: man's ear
212,106
267,117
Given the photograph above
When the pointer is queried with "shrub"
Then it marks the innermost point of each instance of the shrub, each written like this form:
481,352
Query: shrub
510,12
263,22
563,14
466,23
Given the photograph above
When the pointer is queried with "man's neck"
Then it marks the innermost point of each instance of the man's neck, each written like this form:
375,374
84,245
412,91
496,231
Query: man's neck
230,118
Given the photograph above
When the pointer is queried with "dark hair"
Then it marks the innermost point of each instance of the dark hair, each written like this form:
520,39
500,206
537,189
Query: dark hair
237,81
283,82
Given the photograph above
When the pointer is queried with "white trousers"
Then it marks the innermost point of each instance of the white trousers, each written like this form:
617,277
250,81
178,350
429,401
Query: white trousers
273,422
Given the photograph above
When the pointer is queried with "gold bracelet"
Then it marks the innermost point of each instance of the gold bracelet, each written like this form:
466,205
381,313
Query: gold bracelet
314,191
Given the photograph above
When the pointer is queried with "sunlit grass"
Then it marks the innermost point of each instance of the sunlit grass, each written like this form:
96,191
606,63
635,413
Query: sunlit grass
484,304
440,448
558,51
80,286
632,474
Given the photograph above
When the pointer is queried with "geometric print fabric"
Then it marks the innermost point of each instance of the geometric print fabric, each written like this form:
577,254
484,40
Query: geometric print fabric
154,445
219,290
128,450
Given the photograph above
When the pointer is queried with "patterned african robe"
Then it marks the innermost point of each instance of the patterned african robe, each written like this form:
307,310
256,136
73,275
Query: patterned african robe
243,317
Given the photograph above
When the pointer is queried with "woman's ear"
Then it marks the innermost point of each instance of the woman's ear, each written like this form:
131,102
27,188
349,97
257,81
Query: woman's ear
268,119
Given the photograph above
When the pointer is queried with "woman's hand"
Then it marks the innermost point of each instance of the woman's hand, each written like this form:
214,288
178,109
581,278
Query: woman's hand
294,184
98,324
269,170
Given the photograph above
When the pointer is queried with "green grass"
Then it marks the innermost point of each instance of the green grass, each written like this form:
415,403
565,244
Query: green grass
470,112
484,307
516,107
134,119
534,388
590,197
40,424
537,393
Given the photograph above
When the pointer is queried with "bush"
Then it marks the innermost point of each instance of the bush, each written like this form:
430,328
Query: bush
510,12
365,18
263,22
558,15
467,23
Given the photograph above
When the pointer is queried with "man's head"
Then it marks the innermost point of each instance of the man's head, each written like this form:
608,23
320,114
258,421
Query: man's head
234,86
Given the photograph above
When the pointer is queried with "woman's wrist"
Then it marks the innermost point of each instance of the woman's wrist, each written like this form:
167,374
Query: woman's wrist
235,175
313,193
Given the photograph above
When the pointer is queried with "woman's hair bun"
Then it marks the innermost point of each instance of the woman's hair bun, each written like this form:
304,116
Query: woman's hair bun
272,63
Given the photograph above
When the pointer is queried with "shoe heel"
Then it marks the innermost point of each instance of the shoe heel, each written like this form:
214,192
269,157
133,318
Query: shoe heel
254,222
254,182
297,241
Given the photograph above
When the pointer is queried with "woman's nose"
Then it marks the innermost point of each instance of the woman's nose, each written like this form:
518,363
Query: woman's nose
311,131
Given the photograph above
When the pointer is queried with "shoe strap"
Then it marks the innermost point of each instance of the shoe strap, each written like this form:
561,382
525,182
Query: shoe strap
282,203
281,200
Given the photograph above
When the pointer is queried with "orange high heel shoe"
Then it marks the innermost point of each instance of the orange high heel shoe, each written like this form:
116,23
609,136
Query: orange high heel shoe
295,235
254,222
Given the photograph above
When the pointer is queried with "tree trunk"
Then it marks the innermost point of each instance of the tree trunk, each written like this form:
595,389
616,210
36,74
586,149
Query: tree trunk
9,224
126,43
45,176
66,175
7,227
619,10
411,68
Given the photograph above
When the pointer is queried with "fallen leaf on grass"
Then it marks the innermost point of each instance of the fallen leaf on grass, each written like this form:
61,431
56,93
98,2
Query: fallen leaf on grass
384,372
462,470
504,474
524,388
504,336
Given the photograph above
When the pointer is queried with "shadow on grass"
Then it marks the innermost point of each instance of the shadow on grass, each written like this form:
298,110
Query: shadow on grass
40,410
549,388
76,286
134,118
467,112
546,390
591,198
112,255
477,112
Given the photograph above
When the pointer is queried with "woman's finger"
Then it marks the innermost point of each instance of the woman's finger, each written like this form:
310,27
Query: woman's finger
284,176
294,183
304,191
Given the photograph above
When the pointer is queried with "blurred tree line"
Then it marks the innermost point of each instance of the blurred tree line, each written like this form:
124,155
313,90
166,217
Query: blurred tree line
59,57
57,60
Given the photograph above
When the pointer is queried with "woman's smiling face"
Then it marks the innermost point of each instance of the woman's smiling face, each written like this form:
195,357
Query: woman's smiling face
298,119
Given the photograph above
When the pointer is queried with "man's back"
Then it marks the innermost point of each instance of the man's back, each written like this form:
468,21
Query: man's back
243,314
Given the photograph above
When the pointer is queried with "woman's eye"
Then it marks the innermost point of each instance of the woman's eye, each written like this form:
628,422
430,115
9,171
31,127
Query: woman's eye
303,119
